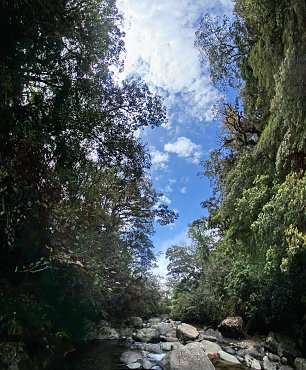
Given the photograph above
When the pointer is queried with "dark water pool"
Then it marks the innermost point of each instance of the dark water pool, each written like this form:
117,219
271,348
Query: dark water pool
99,355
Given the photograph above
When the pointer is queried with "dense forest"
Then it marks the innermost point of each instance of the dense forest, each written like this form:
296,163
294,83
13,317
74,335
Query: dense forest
77,204
248,255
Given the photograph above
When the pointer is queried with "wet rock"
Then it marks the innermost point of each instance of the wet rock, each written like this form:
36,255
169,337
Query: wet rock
300,363
186,332
232,327
135,322
189,357
128,357
147,335
227,357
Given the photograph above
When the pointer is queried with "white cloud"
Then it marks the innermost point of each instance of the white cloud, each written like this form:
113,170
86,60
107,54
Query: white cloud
183,190
158,159
159,40
185,148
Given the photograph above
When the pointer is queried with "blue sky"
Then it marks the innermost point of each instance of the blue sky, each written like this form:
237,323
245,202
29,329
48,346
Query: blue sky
159,42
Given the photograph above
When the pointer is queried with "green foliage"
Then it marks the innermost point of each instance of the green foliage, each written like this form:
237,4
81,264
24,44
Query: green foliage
256,266
77,205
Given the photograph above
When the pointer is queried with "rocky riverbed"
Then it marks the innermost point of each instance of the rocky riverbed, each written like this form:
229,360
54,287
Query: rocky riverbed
165,344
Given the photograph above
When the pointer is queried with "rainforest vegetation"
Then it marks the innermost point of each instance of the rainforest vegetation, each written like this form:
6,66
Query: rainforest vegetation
77,205
248,255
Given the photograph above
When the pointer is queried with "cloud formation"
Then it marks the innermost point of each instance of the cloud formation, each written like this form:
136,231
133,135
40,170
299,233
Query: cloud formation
159,41
185,148
158,159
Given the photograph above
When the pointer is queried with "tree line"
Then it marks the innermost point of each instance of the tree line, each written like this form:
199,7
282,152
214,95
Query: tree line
248,255
77,203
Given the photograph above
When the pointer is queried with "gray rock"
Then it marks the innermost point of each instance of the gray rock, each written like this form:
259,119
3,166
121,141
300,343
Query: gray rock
169,339
152,347
267,364
207,337
147,364
210,348
252,362
186,332
134,365
135,322
128,357
166,346
106,332
284,360
272,357
252,351
154,321
163,328
156,367
232,327
156,357
126,332
227,357
282,346
229,350
300,363
171,333
147,335
189,357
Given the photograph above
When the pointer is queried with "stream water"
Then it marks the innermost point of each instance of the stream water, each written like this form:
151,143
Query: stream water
98,355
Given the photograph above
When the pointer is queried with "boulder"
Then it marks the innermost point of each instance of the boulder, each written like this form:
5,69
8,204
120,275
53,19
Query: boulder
106,332
147,335
189,357
186,332
128,357
135,322
300,363
169,339
163,328
227,357
232,327
252,351
211,349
